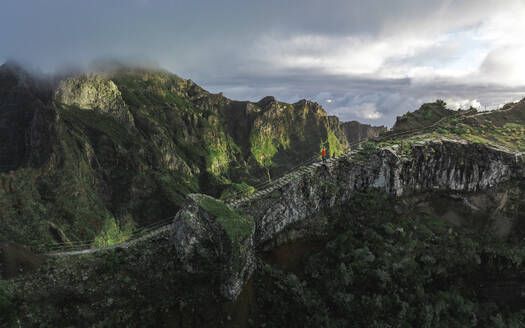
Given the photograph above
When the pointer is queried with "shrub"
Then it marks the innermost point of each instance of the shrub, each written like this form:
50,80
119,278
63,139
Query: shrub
7,303
442,104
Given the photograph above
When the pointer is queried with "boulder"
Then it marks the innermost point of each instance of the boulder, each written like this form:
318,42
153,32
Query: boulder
210,236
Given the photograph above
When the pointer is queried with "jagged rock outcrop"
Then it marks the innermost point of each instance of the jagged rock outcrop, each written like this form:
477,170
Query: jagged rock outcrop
209,236
356,132
92,91
445,165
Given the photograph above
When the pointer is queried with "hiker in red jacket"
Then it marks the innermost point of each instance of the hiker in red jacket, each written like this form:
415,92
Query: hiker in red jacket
323,153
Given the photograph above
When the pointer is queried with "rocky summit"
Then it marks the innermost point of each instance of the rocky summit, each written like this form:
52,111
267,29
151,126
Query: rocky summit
93,92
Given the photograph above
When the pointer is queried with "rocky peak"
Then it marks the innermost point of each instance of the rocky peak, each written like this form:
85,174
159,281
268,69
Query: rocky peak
10,71
304,103
267,102
91,91
426,115
356,132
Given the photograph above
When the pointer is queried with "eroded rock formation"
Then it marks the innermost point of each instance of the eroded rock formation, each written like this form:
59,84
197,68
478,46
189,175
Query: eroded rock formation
92,91
209,236
445,165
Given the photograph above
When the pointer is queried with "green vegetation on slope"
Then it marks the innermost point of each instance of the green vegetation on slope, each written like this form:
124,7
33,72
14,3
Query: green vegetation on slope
384,265
505,127
510,135
263,149
111,232
237,226
335,148
426,115
237,189
287,133
166,137
389,266
8,304
152,88
143,286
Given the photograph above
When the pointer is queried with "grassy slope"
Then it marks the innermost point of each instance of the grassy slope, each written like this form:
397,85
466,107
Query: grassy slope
237,226
503,127
385,265
99,178
426,115
500,128
287,133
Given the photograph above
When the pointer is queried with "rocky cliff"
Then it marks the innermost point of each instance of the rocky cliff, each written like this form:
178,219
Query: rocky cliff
93,92
26,120
209,236
98,154
294,209
447,165
356,132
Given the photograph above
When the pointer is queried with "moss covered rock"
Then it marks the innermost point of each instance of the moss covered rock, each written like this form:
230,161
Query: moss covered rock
92,91
210,236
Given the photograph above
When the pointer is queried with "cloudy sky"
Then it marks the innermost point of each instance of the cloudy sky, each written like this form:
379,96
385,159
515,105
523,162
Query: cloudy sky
365,60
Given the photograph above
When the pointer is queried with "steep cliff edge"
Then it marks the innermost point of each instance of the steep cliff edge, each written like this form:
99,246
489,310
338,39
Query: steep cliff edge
27,122
99,154
296,207
356,132
210,236
447,165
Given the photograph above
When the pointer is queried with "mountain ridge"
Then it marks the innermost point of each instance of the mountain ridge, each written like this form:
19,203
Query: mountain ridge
422,224
93,155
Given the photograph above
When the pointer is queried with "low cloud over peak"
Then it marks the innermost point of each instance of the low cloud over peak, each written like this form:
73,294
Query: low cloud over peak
369,61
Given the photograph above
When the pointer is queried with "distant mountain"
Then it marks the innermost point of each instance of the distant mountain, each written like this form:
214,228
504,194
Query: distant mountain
426,115
94,155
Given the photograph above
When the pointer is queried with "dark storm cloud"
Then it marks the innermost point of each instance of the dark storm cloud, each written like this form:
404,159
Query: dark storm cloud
365,60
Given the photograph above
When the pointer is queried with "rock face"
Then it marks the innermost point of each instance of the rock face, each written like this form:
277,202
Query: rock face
94,92
356,132
27,123
446,165
170,138
210,236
